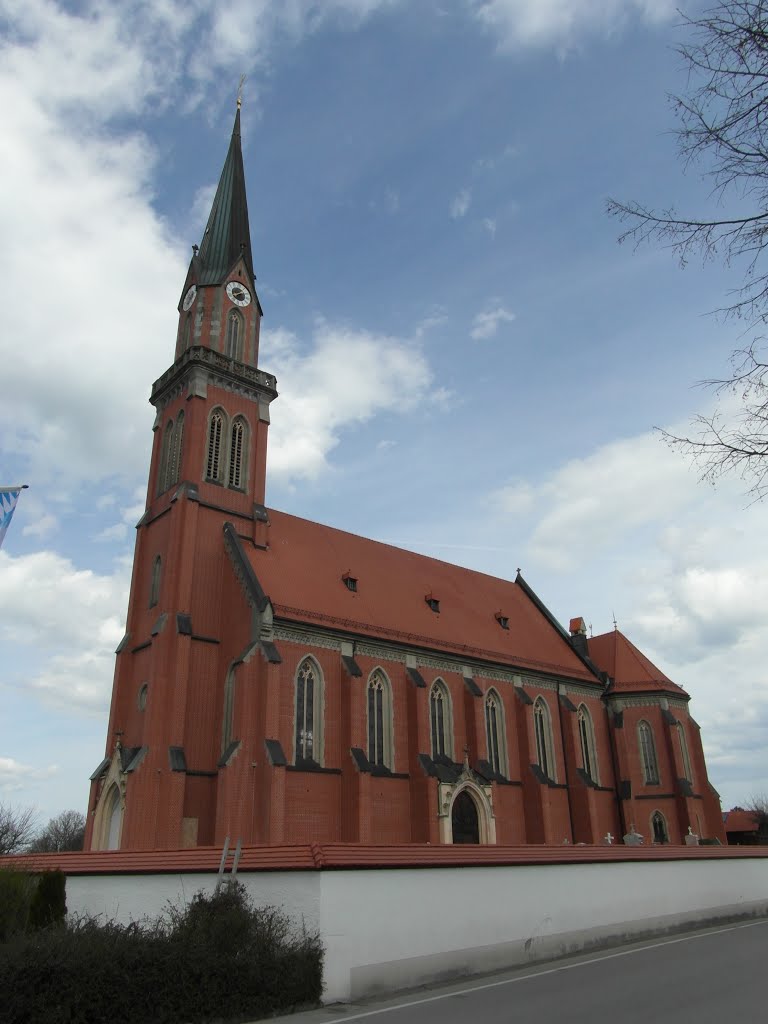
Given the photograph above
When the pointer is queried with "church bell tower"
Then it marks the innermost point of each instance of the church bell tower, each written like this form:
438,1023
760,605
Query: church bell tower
208,467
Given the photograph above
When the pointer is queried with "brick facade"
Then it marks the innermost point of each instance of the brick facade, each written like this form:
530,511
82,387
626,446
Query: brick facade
229,599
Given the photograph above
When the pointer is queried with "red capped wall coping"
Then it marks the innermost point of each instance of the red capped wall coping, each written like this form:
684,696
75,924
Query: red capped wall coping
350,856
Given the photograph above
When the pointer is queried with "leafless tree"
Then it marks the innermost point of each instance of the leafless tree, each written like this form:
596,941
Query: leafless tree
723,126
17,828
758,808
64,832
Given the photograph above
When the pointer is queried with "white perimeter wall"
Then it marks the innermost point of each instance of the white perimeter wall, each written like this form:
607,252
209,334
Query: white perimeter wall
386,929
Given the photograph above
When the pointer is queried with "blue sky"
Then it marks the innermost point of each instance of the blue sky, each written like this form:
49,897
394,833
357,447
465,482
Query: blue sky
468,363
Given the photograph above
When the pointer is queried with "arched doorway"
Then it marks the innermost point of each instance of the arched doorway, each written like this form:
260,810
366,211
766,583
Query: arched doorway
464,821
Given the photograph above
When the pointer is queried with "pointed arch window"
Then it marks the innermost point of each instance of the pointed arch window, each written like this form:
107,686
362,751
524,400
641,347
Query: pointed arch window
647,753
440,720
494,732
309,713
238,453
380,720
214,460
165,456
659,829
114,820
545,747
587,742
154,586
233,346
684,756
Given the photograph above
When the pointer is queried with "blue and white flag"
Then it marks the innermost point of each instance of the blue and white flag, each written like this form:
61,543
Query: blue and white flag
8,498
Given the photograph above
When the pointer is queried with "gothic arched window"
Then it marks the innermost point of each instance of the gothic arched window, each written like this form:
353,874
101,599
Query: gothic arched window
216,431
494,732
647,753
233,346
659,828
114,820
687,773
380,720
440,720
154,586
309,713
545,748
587,741
238,453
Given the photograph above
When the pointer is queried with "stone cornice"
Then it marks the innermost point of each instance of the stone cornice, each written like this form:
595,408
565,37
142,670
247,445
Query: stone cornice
200,362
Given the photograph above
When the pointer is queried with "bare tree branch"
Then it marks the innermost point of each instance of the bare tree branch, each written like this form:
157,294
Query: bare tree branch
723,121
17,827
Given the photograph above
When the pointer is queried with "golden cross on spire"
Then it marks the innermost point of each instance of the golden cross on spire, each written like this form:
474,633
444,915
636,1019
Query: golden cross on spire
240,90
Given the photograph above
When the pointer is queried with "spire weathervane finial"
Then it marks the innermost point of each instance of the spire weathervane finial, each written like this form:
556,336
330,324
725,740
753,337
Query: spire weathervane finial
240,91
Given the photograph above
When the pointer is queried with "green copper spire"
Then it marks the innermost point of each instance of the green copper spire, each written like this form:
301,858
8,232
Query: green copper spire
227,234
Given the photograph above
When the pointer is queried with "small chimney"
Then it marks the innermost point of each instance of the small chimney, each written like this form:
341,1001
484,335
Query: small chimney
578,631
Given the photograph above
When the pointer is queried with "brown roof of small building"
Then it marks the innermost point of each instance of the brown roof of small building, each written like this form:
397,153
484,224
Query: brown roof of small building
302,572
628,667
739,820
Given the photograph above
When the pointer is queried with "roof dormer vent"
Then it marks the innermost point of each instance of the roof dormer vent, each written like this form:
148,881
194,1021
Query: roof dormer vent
502,619
350,581
433,602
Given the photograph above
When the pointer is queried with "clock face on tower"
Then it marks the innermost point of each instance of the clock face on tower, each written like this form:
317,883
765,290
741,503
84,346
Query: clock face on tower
189,298
238,293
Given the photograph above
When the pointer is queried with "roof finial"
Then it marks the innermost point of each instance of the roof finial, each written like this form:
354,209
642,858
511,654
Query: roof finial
240,91
615,623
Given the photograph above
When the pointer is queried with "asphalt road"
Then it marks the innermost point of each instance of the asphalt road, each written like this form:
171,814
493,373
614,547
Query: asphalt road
714,976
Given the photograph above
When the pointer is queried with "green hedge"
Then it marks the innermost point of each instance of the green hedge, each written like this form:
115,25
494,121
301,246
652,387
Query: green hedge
219,959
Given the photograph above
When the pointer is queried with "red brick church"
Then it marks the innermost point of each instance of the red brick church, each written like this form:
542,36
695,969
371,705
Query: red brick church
281,681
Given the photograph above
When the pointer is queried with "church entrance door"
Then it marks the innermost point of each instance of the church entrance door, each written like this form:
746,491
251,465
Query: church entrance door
464,820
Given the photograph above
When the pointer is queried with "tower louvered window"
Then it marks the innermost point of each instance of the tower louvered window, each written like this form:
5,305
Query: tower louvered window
174,458
234,341
648,754
213,465
165,455
237,453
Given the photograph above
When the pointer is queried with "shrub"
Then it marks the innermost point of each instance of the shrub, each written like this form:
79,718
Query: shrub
16,889
49,901
218,959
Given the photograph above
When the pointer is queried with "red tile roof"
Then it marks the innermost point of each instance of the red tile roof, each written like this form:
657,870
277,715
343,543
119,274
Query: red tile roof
336,856
629,667
302,571
739,820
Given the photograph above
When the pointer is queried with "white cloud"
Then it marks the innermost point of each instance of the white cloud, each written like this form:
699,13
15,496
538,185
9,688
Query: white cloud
41,527
490,226
486,323
519,23
346,377
14,775
70,618
460,204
